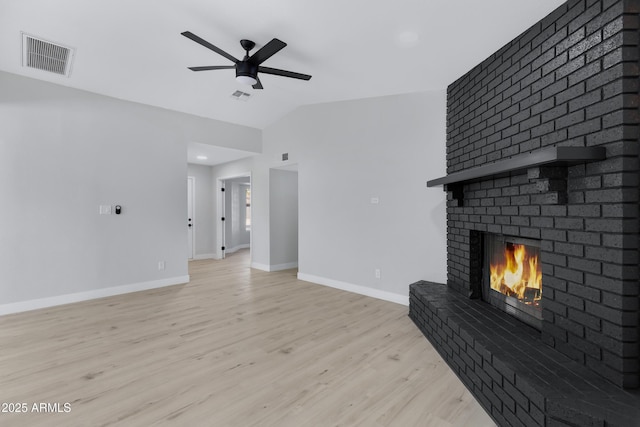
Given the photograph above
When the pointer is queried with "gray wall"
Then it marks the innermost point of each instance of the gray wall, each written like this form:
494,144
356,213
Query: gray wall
64,152
283,218
88,150
348,153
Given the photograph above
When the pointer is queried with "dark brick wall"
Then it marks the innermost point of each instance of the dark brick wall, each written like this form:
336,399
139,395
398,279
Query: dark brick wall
570,80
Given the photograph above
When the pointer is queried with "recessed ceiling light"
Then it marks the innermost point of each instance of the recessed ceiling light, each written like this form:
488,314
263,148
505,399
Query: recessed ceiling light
201,157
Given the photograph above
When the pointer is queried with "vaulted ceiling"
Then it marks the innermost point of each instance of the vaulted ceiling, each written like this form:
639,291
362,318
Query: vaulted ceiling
133,50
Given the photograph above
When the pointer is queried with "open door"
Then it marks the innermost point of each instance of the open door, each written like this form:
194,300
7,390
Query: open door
233,215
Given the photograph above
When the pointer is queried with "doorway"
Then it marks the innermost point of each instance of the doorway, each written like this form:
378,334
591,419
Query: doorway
234,212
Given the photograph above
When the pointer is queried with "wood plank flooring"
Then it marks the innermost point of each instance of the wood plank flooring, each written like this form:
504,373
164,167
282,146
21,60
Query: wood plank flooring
234,347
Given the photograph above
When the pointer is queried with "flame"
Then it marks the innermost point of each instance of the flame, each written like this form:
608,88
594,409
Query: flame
519,276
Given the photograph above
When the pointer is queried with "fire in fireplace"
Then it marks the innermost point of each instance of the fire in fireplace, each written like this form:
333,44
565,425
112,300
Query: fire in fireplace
515,273
513,278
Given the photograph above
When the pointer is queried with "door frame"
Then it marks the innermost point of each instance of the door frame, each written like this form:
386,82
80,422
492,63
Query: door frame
220,183
191,205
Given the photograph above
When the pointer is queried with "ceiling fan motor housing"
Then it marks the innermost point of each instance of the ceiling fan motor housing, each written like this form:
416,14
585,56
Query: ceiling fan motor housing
246,68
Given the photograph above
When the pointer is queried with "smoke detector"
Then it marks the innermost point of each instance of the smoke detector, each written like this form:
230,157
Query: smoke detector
46,56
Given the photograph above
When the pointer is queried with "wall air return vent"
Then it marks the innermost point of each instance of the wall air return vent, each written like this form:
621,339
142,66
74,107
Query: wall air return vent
46,56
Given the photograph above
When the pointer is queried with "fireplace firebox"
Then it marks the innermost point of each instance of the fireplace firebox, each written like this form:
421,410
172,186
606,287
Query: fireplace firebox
512,277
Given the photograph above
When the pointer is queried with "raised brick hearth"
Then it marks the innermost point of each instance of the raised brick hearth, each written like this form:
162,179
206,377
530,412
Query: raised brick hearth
571,80
517,379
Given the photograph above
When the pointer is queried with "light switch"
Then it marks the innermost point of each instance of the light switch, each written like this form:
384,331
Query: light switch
105,209
375,200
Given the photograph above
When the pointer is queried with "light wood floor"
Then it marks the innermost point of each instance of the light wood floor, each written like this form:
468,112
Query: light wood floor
235,347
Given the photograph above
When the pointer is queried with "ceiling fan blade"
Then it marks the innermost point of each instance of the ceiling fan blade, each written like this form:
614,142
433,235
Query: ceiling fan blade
267,51
283,73
258,85
190,35
212,67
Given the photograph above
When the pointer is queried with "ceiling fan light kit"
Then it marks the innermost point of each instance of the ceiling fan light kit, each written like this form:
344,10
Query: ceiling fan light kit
246,80
247,70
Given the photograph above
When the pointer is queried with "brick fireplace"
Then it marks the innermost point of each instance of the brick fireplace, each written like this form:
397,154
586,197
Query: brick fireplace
542,145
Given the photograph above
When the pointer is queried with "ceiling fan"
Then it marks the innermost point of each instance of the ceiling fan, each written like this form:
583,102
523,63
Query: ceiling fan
247,69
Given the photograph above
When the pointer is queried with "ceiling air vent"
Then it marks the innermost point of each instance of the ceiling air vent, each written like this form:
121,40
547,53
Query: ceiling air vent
240,96
47,56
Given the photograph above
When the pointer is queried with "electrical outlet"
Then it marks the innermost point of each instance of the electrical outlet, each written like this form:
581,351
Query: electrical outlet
161,265
377,273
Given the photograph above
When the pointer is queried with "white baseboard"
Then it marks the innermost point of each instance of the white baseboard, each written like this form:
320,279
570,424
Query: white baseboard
35,304
275,267
358,289
258,266
285,266
205,256
237,248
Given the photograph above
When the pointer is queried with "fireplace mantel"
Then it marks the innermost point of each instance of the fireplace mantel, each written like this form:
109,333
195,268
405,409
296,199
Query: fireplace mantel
552,156
553,159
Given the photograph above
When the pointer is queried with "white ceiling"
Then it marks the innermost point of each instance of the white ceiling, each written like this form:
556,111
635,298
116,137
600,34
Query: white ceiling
133,50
